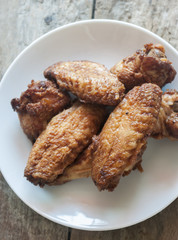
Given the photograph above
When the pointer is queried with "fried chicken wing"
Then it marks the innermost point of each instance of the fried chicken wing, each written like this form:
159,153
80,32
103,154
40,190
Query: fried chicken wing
167,124
147,65
91,82
65,137
123,138
37,105
80,168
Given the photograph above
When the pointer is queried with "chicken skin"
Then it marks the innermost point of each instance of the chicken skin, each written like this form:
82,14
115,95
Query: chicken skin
80,168
65,137
147,65
122,141
90,82
167,124
37,105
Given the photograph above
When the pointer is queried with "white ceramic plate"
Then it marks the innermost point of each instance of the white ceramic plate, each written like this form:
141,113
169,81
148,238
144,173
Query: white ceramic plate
79,204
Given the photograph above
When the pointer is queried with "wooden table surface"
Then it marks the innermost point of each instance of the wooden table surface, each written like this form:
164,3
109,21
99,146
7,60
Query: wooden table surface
21,22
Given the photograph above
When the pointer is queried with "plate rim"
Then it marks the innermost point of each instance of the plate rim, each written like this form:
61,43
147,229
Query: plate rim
46,35
90,21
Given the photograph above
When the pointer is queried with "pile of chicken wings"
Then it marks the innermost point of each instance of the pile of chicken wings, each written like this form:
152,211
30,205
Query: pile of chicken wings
88,121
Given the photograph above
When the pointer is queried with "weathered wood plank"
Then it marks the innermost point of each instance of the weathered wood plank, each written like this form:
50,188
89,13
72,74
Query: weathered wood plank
18,221
21,22
163,226
160,17
24,21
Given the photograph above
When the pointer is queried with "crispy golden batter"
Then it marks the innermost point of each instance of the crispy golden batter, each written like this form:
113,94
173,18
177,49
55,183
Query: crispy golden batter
123,139
37,105
148,65
66,135
80,168
167,124
90,81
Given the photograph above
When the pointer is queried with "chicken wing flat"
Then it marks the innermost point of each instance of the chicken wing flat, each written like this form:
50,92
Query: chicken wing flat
147,65
37,105
80,168
123,138
167,124
91,82
65,137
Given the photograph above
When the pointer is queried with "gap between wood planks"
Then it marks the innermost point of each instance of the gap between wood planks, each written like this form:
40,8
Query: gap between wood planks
93,9
69,234
92,17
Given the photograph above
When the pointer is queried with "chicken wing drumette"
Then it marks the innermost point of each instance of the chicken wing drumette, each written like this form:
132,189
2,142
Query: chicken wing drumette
91,82
37,105
167,124
65,137
123,139
147,65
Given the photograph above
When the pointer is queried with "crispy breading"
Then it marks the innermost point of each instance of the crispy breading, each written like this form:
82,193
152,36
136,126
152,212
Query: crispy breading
37,105
91,82
80,168
65,137
172,126
167,124
147,65
123,138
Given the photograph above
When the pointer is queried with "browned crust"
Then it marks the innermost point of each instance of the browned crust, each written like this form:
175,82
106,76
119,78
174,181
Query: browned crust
124,135
91,82
167,124
67,134
37,105
80,168
172,125
147,65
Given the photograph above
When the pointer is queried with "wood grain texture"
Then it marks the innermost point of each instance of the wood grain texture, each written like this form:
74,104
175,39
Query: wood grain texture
21,22
163,226
160,17
18,221
24,21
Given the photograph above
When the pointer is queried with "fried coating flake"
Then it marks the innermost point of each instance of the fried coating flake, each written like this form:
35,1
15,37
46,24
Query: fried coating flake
167,124
80,168
37,105
147,65
65,137
91,82
123,138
